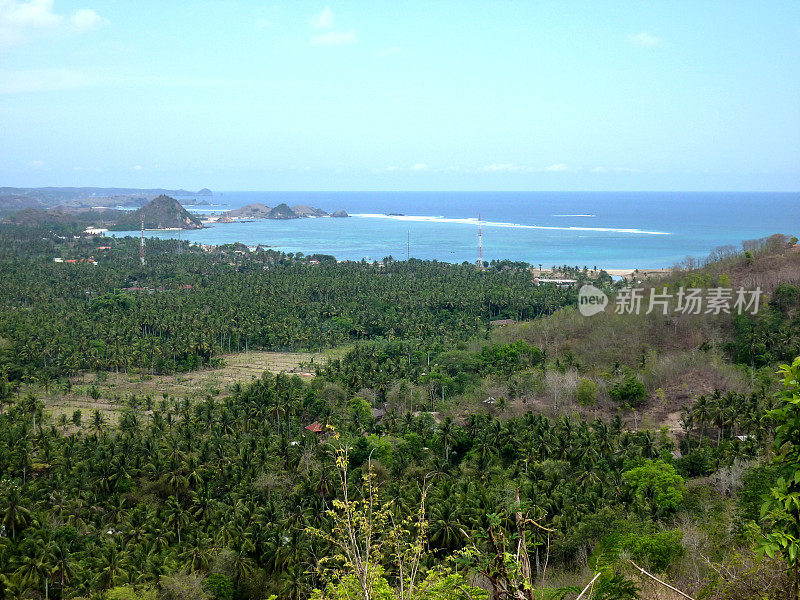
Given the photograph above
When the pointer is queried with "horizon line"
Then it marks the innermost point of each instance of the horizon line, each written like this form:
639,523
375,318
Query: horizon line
404,191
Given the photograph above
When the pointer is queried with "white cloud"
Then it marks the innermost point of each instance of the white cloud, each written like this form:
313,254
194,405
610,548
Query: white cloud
323,20
392,168
21,20
86,18
35,164
558,167
137,167
334,38
34,13
420,167
599,170
263,23
644,39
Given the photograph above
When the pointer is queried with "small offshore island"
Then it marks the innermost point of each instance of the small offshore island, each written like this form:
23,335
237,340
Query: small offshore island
282,211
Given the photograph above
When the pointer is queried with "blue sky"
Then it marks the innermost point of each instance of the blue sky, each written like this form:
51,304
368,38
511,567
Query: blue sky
373,95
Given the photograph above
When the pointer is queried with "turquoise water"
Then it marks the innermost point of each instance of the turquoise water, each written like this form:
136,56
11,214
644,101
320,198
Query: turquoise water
608,229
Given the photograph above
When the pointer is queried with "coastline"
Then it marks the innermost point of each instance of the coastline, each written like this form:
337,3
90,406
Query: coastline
639,273
610,243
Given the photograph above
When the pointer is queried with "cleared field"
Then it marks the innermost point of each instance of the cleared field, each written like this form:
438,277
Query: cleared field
112,390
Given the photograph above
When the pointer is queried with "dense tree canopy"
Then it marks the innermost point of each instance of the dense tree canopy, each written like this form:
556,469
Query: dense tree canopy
230,494
187,306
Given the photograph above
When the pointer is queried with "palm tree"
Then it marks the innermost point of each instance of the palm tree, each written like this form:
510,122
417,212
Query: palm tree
175,516
35,570
63,565
701,411
98,422
15,516
198,556
445,526
111,567
243,565
447,431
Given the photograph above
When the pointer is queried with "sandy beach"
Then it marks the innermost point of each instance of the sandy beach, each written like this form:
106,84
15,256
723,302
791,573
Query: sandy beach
624,273
641,273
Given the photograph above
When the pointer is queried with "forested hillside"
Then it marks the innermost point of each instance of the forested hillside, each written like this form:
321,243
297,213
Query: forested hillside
437,456
162,212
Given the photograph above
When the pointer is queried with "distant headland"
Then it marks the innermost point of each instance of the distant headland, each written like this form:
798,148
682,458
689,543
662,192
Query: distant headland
162,212
67,198
101,207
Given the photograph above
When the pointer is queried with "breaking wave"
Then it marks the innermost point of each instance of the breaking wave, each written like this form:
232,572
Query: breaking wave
473,221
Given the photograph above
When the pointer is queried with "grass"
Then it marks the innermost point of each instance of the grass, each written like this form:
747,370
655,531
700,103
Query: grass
114,389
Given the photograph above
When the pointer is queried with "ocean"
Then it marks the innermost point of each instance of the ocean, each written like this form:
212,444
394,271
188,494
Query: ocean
606,229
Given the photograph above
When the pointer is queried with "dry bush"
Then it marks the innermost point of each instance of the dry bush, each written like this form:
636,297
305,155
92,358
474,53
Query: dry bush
608,338
741,576
708,370
560,388
183,586
728,480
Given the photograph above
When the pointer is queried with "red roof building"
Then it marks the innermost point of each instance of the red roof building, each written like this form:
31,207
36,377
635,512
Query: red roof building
315,427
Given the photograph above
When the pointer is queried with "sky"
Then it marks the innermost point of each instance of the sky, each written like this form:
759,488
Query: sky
387,95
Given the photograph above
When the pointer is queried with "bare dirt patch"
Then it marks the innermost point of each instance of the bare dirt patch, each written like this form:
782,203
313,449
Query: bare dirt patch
113,390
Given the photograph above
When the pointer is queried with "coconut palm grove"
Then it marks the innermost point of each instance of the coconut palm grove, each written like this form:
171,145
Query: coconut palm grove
454,432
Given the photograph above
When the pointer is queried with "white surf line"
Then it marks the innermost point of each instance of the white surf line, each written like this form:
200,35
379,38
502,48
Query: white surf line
472,221
574,215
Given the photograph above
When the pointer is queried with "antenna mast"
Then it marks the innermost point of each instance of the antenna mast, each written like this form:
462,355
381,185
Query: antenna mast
141,247
408,245
479,262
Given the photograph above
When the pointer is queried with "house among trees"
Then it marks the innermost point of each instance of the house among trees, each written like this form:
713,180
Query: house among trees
315,427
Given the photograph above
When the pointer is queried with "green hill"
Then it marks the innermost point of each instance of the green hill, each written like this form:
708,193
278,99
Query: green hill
162,212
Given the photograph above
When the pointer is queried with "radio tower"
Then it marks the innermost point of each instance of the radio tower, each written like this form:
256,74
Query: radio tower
479,262
141,247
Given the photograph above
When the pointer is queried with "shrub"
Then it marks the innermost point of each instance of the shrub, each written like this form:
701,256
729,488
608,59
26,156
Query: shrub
757,482
657,550
656,487
629,390
183,586
587,392
785,297
128,592
219,586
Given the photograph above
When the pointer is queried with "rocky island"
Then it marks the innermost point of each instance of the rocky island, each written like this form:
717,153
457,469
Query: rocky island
283,211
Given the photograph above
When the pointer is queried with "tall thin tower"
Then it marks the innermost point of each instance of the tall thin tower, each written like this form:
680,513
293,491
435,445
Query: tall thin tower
479,262
141,247
408,245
